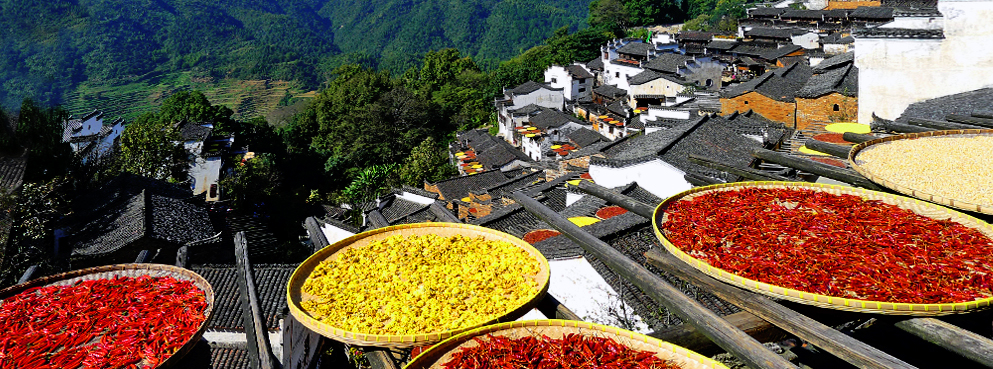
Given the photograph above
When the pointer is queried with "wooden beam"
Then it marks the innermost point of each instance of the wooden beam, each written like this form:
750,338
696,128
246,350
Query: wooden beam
380,358
687,336
28,274
143,257
824,170
553,309
960,341
939,125
746,173
838,151
858,137
697,180
443,214
822,336
257,334
900,127
977,119
182,256
745,348
807,329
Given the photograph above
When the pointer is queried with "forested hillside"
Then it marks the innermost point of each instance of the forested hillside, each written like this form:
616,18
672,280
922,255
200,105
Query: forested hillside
94,53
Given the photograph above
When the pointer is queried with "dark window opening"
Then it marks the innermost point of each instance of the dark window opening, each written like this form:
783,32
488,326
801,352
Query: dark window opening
836,107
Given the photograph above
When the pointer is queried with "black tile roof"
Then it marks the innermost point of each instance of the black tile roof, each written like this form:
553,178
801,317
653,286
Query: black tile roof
781,84
837,38
585,137
512,219
724,45
416,191
11,173
127,185
780,52
595,64
560,247
190,131
770,32
459,187
644,77
551,118
937,108
803,14
526,110
843,80
419,216
713,139
522,181
694,36
916,12
766,12
643,147
898,33
636,48
577,71
750,49
668,62
529,87
492,152
913,4
610,91
876,13
270,284
397,207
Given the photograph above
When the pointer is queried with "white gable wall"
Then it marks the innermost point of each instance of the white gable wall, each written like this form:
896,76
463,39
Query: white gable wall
656,176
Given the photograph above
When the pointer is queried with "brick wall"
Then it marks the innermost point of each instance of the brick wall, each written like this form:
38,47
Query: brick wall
433,189
822,109
775,110
845,4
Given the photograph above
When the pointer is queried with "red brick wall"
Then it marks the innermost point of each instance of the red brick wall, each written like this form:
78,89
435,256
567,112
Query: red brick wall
822,108
844,4
777,111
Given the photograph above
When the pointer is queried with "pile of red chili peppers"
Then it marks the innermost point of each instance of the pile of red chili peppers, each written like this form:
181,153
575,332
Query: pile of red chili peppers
107,323
610,212
835,245
571,351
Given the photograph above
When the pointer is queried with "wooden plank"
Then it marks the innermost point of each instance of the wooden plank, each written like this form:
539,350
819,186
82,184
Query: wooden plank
857,137
302,347
443,214
977,119
182,256
838,344
824,170
807,329
838,151
380,358
747,173
28,274
259,350
746,348
687,336
939,125
143,257
900,127
553,309
960,341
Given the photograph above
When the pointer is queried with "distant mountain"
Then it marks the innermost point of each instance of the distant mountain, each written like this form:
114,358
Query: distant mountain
78,52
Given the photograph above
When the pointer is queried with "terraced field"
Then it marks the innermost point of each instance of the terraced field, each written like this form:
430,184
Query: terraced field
248,99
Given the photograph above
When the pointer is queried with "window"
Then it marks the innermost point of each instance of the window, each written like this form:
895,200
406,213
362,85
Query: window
611,129
582,89
709,82
746,102
582,80
617,74
836,107
555,80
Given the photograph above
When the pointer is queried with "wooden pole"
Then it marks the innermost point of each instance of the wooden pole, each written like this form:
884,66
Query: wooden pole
939,125
960,341
687,336
858,137
696,180
839,151
710,324
28,274
142,257
552,308
977,119
822,336
824,170
747,173
901,128
257,334
807,329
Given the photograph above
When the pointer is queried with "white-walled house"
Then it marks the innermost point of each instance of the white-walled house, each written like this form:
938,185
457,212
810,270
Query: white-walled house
551,126
575,81
528,93
89,137
901,66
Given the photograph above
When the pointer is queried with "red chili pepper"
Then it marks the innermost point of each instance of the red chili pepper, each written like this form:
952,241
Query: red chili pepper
838,245
570,351
99,323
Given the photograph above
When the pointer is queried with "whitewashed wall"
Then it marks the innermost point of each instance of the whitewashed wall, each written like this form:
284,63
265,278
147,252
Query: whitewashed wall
656,176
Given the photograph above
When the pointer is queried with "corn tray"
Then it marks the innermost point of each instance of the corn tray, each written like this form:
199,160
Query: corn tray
832,302
295,294
858,165
442,352
129,270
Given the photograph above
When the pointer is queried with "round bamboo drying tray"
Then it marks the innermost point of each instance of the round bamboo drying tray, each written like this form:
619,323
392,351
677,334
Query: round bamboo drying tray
883,181
129,270
295,294
442,352
832,302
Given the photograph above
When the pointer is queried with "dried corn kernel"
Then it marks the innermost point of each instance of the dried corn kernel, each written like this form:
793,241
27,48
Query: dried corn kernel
420,284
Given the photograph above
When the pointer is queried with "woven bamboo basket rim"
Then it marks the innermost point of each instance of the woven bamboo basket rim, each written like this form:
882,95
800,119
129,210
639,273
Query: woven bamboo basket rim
294,294
555,328
832,302
883,181
130,270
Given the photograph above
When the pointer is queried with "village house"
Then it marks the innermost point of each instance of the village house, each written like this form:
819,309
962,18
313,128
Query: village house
771,95
89,137
831,94
575,81
476,151
528,93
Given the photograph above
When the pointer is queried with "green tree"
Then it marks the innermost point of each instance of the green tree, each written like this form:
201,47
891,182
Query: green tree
40,130
609,15
427,162
153,149
193,106
33,215
371,183
255,181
